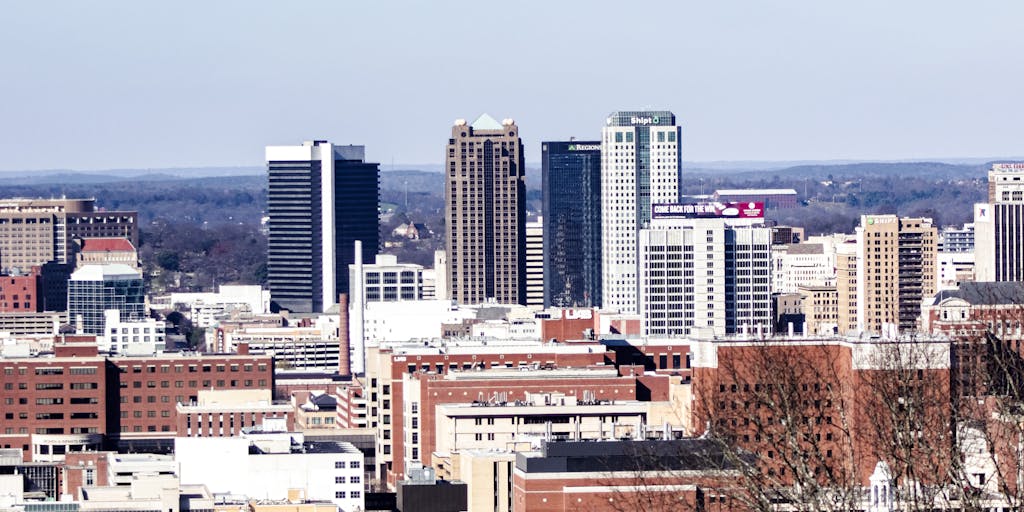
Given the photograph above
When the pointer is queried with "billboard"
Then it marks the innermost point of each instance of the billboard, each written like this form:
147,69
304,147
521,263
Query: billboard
1008,167
730,210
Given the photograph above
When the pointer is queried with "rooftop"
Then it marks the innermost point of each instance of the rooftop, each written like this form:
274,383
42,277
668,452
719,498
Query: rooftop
108,272
986,294
106,245
692,454
486,122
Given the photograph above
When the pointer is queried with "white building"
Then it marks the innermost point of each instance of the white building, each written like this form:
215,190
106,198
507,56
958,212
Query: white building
640,162
999,226
952,269
138,337
266,466
207,307
805,264
403,321
387,280
306,348
535,263
704,276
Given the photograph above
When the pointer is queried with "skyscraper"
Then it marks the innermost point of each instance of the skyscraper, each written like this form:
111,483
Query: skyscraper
485,196
571,175
896,271
999,226
705,271
640,166
321,199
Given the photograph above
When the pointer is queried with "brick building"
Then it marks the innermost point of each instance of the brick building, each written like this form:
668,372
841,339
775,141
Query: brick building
684,474
19,292
78,400
386,366
424,392
827,408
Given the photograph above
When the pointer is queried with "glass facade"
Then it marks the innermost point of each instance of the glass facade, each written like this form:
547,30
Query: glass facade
89,297
571,174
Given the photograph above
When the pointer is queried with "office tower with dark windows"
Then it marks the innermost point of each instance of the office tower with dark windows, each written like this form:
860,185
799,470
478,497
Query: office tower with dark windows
571,175
485,215
999,226
321,199
640,166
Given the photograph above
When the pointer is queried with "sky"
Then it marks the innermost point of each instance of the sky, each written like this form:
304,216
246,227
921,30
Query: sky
113,85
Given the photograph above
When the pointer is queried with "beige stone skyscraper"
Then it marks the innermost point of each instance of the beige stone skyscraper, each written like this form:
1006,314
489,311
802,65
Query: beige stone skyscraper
485,216
895,271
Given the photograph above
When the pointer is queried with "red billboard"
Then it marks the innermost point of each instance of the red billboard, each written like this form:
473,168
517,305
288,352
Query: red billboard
730,210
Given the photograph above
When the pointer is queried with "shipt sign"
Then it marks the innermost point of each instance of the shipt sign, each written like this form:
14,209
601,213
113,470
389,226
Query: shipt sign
733,210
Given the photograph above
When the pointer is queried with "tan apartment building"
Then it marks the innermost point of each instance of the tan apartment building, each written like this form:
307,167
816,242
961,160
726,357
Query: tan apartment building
846,287
896,272
821,309
485,215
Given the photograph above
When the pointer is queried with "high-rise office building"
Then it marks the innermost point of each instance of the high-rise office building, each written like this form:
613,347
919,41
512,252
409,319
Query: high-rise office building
571,175
896,272
485,198
321,199
999,226
705,274
640,166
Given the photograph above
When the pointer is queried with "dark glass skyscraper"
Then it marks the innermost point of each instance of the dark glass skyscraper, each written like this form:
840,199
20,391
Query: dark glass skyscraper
321,199
572,223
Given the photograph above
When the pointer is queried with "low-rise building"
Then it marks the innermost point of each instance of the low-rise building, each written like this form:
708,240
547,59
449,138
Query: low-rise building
267,466
226,413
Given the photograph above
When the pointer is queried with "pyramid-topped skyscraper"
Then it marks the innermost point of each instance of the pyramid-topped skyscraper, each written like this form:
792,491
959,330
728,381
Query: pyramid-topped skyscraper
485,216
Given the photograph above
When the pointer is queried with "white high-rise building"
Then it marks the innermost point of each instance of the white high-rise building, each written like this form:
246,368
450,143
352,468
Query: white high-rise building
999,226
705,276
640,165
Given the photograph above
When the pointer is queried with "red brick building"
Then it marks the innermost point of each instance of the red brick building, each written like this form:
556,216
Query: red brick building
20,293
432,389
386,367
77,400
833,408
623,475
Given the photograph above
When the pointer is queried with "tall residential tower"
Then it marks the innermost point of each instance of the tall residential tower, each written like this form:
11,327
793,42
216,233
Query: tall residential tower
485,198
571,175
640,166
321,199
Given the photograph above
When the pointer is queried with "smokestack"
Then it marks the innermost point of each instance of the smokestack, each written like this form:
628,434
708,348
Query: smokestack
344,367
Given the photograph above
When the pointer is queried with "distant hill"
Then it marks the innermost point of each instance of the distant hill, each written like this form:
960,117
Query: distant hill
70,177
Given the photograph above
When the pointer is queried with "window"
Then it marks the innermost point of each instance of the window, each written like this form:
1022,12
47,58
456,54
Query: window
354,464
354,479
339,494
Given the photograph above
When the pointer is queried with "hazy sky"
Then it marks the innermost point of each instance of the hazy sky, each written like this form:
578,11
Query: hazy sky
93,85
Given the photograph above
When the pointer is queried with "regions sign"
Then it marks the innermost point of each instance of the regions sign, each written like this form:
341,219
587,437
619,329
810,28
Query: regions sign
584,147
732,210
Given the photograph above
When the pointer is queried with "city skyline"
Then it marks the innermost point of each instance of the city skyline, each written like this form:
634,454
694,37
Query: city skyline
797,82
